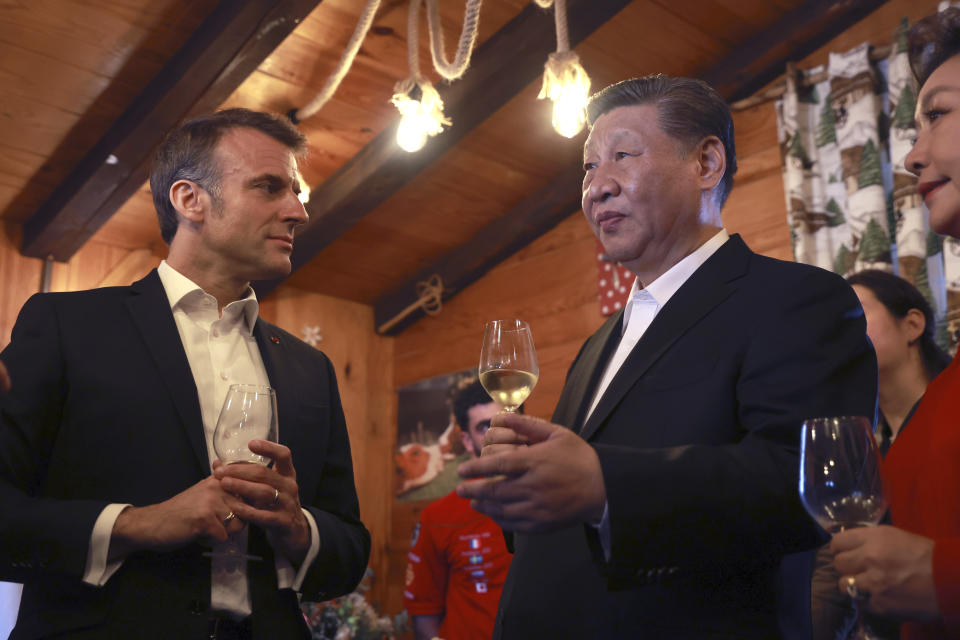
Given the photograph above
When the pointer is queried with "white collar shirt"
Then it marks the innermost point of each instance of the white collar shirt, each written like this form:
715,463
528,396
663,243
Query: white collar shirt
643,305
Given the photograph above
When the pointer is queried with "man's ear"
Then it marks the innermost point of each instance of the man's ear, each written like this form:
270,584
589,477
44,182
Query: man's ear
712,161
189,199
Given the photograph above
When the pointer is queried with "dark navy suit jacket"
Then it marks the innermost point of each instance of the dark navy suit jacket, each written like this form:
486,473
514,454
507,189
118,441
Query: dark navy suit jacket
698,437
105,410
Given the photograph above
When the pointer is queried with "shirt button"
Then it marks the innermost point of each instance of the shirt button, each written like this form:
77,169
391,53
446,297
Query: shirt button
224,375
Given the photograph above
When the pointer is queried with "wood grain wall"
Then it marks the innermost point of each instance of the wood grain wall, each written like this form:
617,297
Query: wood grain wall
364,366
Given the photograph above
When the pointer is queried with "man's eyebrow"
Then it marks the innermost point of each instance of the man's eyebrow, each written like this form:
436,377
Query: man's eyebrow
267,177
615,136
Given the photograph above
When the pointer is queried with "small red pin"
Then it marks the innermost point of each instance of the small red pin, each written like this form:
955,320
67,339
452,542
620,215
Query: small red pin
274,339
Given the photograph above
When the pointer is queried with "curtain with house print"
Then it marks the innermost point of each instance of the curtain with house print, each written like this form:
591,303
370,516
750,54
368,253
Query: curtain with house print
844,131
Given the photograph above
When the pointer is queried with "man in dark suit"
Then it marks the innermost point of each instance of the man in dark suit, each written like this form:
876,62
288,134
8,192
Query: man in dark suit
662,498
111,497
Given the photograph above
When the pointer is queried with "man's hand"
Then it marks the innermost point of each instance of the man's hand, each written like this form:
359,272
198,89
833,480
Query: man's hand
554,482
895,567
270,498
199,513
501,438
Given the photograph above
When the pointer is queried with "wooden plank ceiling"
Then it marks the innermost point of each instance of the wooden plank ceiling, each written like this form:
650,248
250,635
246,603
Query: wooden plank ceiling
84,79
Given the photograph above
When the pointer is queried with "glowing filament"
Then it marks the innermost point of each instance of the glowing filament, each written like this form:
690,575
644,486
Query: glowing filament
419,118
568,85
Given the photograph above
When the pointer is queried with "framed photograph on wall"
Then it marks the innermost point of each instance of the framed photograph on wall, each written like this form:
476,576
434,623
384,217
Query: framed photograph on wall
429,448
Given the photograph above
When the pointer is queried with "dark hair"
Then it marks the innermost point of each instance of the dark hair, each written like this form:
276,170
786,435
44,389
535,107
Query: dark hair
469,396
899,297
932,41
187,154
688,110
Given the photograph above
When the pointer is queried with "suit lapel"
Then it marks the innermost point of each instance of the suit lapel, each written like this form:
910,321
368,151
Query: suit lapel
709,285
584,377
272,352
150,310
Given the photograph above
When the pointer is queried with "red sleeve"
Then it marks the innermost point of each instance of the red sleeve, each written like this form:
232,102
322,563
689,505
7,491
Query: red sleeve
426,578
946,580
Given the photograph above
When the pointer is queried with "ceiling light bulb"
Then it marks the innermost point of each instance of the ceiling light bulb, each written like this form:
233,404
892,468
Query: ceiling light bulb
304,195
412,132
570,111
567,84
419,118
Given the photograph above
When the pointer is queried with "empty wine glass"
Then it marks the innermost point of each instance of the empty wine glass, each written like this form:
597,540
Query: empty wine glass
249,413
508,362
840,482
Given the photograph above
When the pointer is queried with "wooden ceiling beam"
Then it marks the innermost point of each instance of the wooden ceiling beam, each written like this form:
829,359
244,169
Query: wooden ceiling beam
798,33
500,68
227,47
493,244
561,198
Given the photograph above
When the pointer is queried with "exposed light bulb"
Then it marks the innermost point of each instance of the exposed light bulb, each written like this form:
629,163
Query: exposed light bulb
412,132
304,195
568,85
419,118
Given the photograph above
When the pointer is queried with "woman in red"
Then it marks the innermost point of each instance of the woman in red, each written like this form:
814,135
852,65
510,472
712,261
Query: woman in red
911,571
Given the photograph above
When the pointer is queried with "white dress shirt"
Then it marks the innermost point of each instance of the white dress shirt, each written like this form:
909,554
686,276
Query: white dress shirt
221,351
643,306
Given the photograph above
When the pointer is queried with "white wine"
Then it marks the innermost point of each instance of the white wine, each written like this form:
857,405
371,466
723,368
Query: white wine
508,387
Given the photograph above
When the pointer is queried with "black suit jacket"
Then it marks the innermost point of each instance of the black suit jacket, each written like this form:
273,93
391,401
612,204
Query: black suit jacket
105,410
698,437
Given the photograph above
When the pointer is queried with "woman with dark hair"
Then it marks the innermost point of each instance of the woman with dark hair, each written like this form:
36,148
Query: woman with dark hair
901,327
911,571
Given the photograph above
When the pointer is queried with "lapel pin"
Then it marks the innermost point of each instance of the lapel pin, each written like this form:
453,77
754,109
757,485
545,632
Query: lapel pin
274,339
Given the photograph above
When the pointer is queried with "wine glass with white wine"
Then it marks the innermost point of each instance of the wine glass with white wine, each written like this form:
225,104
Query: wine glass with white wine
508,362
840,483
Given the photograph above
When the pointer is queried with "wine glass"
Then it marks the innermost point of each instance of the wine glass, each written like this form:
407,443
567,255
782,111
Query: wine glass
249,413
508,362
840,482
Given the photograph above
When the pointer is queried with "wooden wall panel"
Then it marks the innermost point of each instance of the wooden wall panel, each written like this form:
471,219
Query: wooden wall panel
21,277
364,366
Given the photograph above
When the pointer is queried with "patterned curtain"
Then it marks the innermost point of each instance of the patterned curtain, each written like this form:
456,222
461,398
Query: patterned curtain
844,131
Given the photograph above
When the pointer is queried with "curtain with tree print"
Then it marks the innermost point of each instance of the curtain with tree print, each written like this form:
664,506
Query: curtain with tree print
851,204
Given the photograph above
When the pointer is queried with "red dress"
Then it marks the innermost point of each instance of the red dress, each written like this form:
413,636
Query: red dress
923,474
456,568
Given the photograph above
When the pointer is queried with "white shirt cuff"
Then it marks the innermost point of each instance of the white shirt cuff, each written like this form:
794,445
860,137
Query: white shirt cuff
98,571
286,579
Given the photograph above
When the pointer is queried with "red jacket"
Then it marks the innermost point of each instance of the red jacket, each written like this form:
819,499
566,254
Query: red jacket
923,475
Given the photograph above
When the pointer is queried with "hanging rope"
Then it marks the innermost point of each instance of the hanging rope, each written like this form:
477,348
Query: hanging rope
333,82
560,20
565,82
448,70
468,37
